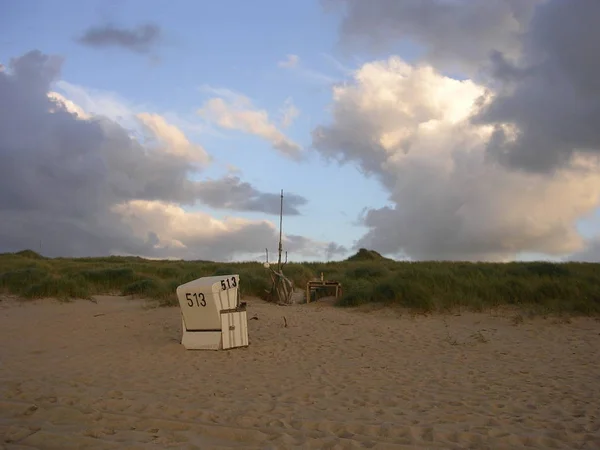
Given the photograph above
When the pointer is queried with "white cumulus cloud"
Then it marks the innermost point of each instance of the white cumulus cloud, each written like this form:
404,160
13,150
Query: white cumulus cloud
239,114
410,126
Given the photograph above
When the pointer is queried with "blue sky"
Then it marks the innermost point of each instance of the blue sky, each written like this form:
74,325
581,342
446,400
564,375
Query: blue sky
234,48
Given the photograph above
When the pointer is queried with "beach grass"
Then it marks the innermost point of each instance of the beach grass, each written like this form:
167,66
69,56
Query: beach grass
367,277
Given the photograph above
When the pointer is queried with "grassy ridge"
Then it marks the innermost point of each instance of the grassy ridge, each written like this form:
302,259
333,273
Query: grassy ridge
572,288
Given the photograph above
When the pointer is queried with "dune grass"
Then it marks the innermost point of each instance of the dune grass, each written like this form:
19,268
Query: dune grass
548,288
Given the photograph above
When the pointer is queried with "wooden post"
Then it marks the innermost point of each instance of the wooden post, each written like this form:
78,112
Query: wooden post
280,231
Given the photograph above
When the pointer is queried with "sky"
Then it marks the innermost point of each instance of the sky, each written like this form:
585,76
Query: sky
422,129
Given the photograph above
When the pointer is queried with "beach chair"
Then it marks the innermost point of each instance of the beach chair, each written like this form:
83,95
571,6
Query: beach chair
212,315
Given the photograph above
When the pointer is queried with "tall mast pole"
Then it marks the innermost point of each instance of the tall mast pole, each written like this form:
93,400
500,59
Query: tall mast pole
280,231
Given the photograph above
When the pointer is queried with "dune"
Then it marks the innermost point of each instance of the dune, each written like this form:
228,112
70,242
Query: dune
113,375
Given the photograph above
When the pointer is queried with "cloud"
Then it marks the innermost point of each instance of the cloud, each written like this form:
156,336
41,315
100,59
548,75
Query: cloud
82,185
239,114
289,113
232,169
590,253
289,62
174,140
140,39
100,103
292,64
315,76
310,248
455,34
226,93
538,57
175,230
224,193
411,127
62,102
332,250
231,193
550,96
341,68
114,107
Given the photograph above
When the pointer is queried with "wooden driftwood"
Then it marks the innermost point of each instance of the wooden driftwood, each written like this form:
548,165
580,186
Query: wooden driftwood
282,287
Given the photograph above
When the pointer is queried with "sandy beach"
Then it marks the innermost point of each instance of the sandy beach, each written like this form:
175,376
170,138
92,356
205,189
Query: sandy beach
113,374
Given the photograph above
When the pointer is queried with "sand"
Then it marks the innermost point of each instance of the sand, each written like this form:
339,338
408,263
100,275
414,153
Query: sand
113,374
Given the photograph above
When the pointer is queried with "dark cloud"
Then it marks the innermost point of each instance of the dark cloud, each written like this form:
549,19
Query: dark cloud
140,39
457,34
84,187
231,193
552,95
334,250
591,253
312,249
